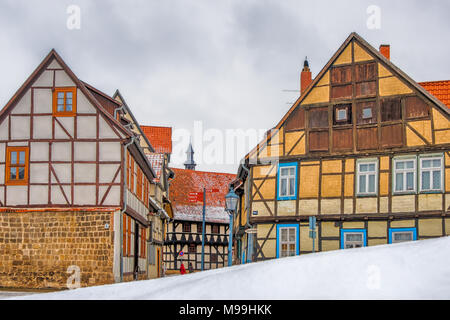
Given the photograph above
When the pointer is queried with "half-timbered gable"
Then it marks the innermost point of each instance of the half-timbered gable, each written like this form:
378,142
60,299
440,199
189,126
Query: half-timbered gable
363,148
66,154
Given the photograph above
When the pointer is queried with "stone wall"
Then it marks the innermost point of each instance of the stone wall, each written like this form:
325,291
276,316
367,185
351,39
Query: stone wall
37,248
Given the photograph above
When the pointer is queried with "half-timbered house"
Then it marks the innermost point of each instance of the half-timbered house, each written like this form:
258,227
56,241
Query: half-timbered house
365,149
183,242
74,185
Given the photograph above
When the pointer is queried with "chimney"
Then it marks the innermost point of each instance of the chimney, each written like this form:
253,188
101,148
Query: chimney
305,77
385,50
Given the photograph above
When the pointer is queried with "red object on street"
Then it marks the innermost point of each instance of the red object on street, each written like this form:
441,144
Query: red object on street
182,269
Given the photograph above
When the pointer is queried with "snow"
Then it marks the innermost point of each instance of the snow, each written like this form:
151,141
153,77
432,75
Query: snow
415,270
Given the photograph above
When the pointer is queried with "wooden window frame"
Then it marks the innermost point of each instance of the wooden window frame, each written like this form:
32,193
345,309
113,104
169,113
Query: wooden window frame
344,241
367,174
292,194
431,169
404,173
280,242
9,165
393,231
65,113
348,114
188,225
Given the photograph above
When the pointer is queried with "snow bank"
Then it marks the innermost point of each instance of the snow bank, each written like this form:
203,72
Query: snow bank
416,270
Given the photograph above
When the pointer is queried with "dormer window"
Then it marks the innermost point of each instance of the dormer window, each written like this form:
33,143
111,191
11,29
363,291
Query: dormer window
64,102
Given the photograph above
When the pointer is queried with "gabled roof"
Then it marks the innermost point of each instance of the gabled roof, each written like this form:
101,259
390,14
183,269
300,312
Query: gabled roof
80,84
157,162
439,89
187,181
160,137
386,63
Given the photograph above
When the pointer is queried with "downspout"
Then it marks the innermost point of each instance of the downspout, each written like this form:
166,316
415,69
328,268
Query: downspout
117,109
247,198
133,138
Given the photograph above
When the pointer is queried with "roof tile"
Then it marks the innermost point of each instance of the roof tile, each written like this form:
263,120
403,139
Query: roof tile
439,89
160,138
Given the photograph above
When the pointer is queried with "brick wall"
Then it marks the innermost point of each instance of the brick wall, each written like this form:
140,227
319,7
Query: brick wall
36,248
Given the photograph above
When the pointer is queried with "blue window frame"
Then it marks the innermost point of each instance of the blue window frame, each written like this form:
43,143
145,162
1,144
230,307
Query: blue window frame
288,240
353,238
397,235
287,181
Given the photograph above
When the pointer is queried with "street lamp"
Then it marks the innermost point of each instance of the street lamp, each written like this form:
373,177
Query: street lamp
231,200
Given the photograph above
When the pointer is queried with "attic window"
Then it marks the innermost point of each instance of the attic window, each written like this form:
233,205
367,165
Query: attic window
342,114
64,101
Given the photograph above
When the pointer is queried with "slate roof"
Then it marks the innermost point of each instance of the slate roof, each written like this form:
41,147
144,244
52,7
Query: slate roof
187,181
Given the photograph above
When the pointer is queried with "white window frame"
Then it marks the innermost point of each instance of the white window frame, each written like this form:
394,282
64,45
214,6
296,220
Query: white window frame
397,232
289,192
421,170
353,242
404,172
368,162
287,242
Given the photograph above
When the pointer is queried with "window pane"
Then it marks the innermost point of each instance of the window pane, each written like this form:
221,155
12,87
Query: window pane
13,157
426,163
426,180
22,157
410,181
371,183
403,236
362,184
399,165
68,107
291,187
60,95
292,171
372,167
399,182
21,173
363,167
283,235
354,236
12,173
69,95
437,163
410,164
436,180
60,107
291,235
367,113
284,171
341,114
68,101
283,187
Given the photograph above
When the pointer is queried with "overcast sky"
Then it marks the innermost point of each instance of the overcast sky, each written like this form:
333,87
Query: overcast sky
225,63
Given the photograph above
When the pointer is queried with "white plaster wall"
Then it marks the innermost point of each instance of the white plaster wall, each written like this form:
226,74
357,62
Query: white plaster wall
24,104
43,101
85,172
4,129
63,171
68,124
42,127
2,173
61,151
38,194
62,79
83,104
107,171
105,130
18,144
85,151
86,127
39,151
38,173
20,127
54,65
2,152
57,196
2,194
16,195
113,197
84,195
110,151
44,80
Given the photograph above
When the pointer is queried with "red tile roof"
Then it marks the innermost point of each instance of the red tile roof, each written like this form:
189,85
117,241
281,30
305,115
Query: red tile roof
160,138
439,89
157,161
187,181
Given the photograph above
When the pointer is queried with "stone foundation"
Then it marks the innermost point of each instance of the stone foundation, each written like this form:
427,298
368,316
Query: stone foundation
37,248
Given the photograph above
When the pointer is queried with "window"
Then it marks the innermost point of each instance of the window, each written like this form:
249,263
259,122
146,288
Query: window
353,238
367,178
16,165
215,229
402,235
404,175
342,114
192,248
213,257
186,227
199,227
287,178
143,238
366,113
431,174
287,238
64,101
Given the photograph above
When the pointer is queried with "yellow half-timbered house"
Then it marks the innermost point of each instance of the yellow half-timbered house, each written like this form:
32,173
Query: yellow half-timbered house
364,149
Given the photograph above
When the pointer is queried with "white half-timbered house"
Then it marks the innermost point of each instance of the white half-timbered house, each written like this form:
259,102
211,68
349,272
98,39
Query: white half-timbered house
74,185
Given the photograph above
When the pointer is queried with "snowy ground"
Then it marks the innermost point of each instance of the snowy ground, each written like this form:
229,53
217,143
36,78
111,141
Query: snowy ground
416,270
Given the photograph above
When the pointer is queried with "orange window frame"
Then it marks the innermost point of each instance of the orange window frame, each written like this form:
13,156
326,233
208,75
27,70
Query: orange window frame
132,176
9,165
125,232
65,113
129,237
139,184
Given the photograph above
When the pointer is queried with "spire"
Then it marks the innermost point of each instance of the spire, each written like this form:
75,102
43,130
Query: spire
306,64
190,163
